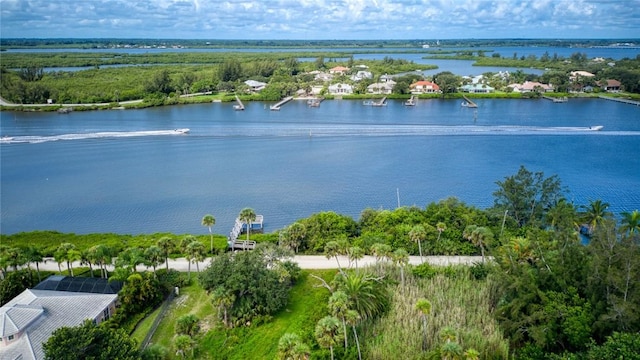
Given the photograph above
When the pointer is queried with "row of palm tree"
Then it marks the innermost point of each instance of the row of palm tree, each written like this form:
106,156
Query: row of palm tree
103,256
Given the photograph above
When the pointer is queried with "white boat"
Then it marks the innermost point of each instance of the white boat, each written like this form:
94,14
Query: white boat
238,107
182,131
596,128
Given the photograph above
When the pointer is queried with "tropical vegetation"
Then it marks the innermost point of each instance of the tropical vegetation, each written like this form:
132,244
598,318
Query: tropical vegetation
558,281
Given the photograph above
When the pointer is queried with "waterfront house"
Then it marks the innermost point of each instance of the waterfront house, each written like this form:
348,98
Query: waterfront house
424,87
381,88
576,76
339,70
322,76
361,75
477,88
612,86
28,320
340,89
255,86
531,86
386,78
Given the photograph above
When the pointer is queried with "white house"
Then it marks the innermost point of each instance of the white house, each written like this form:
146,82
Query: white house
361,75
340,89
255,86
531,86
385,78
381,87
477,88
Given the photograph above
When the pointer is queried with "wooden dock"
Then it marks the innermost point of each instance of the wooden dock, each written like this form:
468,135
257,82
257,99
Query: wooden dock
626,101
562,99
382,102
411,101
277,106
314,102
239,105
468,103
238,228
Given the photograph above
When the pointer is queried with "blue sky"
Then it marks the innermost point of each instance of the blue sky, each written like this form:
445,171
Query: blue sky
320,19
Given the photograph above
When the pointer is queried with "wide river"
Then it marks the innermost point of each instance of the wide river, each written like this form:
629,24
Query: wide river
128,172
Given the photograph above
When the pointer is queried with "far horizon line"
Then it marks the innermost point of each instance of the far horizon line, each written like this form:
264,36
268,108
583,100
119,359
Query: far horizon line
298,39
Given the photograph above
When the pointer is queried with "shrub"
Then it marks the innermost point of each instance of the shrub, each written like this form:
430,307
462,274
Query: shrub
424,271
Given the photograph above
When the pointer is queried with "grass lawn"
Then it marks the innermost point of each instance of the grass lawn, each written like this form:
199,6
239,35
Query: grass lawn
307,304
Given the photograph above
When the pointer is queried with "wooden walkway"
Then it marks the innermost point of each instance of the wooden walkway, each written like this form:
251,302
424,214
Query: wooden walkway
562,99
239,105
238,228
626,101
469,103
277,106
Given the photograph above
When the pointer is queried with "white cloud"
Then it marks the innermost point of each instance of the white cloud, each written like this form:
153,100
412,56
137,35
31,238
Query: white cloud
320,19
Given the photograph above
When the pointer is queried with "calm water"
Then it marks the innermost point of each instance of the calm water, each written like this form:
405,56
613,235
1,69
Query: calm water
62,172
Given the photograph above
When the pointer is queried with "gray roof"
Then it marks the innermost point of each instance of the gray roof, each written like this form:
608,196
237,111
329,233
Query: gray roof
41,312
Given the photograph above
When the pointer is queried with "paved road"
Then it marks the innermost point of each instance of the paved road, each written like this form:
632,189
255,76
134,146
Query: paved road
304,261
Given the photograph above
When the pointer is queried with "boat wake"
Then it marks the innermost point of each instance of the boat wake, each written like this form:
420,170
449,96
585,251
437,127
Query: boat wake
84,136
314,130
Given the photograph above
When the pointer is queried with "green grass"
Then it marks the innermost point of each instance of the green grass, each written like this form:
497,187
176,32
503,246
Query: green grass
143,328
307,304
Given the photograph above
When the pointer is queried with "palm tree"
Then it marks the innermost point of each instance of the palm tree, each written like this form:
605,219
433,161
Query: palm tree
440,227
630,222
448,334
153,257
450,351
223,300
291,347
479,236
417,234
353,318
131,257
367,293
85,259
15,257
328,333
100,255
333,249
355,253
196,252
33,254
400,258
595,214
247,215
424,306
69,254
184,345
292,236
208,221
471,354
166,244
338,307
380,251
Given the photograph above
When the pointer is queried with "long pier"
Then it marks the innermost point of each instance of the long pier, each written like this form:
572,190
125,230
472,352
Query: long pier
469,103
277,106
238,228
239,105
562,99
626,101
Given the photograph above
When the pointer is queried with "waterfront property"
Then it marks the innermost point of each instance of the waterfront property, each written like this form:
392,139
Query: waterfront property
424,87
29,319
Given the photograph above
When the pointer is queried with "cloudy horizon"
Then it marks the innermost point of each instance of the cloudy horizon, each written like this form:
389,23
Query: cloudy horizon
320,19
